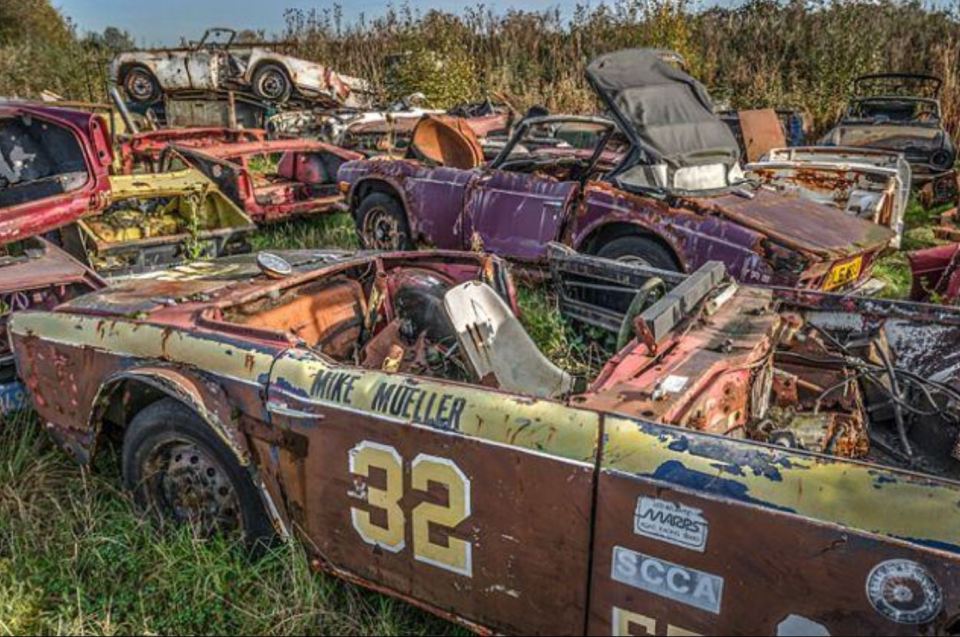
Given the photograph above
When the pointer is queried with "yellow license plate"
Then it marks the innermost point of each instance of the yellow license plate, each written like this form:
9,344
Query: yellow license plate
844,273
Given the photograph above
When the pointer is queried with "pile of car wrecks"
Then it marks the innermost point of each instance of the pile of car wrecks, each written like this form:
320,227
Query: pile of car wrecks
768,449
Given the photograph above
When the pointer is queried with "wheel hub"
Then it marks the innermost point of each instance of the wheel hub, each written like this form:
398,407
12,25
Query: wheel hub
272,85
190,487
384,231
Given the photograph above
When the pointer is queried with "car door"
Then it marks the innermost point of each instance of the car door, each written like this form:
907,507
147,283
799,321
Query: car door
470,502
53,168
516,215
203,68
698,534
436,199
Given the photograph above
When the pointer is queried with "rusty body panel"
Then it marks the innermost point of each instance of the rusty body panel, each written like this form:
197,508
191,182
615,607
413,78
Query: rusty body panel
762,132
34,274
145,149
274,180
54,165
656,500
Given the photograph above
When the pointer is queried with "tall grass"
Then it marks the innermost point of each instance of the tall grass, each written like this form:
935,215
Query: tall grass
762,53
800,53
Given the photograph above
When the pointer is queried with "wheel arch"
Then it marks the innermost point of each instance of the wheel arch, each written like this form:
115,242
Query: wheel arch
381,184
605,232
129,65
271,61
124,394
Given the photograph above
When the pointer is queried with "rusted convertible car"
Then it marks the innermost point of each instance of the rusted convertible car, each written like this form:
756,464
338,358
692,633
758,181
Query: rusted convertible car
274,180
902,112
217,62
751,461
662,185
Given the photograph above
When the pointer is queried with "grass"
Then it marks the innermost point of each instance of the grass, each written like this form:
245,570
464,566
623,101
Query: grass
894,269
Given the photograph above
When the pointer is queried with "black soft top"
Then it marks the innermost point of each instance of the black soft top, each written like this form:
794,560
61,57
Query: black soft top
669,114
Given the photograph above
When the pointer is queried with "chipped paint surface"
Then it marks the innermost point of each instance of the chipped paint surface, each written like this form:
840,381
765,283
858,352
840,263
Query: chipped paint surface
855,495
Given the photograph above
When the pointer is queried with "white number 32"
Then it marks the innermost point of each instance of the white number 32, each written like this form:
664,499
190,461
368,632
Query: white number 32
456,555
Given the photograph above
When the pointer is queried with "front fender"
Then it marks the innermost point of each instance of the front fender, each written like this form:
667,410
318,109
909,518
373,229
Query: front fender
208,401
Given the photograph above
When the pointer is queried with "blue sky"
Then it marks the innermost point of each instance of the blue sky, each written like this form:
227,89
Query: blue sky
159,22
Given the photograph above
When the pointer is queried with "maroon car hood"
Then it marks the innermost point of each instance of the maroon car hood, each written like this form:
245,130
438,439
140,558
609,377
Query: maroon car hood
798,223
935,273
43,265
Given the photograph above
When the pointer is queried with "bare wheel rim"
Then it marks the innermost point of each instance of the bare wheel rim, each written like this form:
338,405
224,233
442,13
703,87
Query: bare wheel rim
140,85
186,485
272,84
633,259
383,230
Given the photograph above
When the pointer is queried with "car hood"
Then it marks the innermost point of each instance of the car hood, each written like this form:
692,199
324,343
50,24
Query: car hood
200,282
889,137
798,223
667,112
41,265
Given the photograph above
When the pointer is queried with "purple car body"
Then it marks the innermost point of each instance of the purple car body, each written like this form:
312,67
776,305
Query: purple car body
589,199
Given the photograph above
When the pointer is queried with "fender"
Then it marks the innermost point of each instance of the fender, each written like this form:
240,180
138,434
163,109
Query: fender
391,180
582,236
207,400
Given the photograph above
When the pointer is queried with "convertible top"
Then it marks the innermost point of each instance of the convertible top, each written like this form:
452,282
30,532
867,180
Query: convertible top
670,113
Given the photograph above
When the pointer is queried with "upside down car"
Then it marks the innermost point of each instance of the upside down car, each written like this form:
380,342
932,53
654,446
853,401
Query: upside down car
660,183
751,460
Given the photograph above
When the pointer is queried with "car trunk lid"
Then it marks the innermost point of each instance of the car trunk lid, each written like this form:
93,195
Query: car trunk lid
797,223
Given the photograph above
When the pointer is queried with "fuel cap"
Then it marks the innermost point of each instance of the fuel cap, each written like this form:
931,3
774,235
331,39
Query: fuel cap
274,266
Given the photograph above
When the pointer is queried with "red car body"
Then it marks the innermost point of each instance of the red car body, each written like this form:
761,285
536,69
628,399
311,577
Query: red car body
303,180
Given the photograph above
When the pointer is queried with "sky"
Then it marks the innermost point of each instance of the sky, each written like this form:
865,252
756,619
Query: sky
162,22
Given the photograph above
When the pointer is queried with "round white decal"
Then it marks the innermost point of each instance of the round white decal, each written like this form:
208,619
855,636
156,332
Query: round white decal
904,591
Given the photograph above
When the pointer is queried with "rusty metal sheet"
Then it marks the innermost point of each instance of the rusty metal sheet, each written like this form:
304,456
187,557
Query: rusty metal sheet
762,132
799,224
671,559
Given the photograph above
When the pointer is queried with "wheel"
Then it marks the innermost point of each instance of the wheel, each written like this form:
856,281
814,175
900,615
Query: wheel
140,84
271,82
382,223
631,249
179,470
639,250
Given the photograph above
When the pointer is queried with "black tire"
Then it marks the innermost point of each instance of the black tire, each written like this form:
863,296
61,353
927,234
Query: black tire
271,82
382,223
140,85
641,250
635,249
179,470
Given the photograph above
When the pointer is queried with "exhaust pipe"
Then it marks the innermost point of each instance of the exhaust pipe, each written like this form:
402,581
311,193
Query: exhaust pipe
122,108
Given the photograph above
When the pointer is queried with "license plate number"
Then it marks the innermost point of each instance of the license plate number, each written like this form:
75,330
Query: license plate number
844,273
